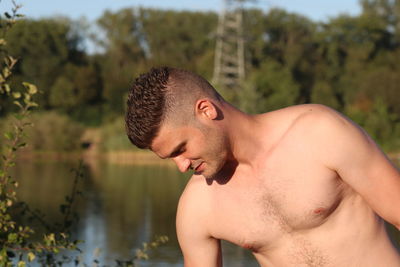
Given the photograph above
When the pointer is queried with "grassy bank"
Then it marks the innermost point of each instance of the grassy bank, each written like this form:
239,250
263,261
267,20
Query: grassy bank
135,157
121,157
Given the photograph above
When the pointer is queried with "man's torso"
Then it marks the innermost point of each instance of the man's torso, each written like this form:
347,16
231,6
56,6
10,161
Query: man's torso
294,211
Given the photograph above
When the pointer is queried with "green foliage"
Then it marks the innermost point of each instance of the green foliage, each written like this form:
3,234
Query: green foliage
51,57
14,238
55,132
275,87
184,36
50,132
381,125
43,49
77,86
114,137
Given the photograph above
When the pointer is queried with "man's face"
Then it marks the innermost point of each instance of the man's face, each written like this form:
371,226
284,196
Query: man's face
201,148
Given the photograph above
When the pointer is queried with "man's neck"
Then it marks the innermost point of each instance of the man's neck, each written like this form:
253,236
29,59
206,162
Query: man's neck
246,133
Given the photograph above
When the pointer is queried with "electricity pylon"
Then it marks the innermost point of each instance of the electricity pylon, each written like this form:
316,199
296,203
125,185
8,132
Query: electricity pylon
229,62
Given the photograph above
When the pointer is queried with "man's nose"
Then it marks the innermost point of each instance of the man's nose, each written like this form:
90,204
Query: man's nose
182,163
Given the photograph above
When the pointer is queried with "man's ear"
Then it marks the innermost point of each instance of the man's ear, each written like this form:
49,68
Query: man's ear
206,109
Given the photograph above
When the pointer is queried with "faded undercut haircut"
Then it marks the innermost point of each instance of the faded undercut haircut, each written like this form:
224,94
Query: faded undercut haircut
160,95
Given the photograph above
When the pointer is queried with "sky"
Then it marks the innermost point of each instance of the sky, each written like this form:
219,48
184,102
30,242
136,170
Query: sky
317,10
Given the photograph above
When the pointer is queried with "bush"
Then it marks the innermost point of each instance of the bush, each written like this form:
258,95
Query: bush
55,132
51,132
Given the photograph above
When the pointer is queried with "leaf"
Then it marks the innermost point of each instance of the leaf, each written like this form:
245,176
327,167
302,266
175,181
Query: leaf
27,98
12,237
51,237
31,256
33,104
32,89
6,72
21,145
16,95
7,88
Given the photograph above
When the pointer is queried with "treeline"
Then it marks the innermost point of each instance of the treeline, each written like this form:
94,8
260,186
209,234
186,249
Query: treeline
349,62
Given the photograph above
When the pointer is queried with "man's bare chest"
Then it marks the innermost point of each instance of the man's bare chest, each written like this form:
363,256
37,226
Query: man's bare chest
262,211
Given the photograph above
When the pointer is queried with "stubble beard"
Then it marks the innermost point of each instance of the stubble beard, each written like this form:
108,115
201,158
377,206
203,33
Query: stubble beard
216,154
212,169
216,158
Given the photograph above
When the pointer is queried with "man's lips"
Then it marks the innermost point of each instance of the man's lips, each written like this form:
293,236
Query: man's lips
197,167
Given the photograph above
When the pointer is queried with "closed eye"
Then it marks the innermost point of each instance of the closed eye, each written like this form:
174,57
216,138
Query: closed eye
178,150
176,153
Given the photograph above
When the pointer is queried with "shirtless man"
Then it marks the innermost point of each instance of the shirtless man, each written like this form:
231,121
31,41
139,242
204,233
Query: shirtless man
300,186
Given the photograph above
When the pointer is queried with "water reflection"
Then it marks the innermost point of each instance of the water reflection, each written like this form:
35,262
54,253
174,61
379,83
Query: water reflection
122,207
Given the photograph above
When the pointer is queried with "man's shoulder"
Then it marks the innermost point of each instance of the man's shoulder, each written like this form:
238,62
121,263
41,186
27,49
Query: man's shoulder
194,207
195,197
303,119
322,130
309,111
318,117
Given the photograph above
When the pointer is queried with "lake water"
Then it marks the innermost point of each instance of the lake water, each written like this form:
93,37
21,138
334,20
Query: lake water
122,207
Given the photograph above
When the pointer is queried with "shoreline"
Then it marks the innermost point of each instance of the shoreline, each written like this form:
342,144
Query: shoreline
144,157
118,157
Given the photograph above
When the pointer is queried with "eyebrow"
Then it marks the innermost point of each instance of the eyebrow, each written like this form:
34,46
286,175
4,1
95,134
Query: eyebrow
176,149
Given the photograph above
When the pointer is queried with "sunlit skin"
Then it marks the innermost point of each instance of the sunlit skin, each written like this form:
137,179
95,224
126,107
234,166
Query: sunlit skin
192,148
300,186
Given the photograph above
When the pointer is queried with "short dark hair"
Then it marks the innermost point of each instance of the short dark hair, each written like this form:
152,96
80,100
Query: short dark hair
158,93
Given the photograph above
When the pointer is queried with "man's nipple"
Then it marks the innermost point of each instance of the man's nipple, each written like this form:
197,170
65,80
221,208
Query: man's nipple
319,210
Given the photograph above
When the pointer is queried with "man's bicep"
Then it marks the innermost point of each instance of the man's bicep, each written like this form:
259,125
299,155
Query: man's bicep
362,165
377,181
199,248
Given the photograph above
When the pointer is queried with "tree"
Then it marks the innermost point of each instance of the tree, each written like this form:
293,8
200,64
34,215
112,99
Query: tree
275,87
289,40
385,13
180,38
44,48
123,56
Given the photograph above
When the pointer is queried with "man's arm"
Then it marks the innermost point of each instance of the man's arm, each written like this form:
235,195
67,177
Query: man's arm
349,151
199,248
